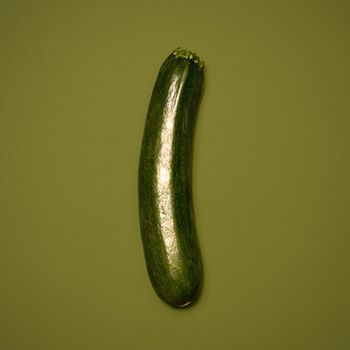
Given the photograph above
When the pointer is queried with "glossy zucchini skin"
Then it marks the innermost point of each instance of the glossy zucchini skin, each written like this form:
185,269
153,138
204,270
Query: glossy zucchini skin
166,214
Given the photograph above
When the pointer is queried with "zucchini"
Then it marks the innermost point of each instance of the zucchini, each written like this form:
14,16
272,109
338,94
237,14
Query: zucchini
166,215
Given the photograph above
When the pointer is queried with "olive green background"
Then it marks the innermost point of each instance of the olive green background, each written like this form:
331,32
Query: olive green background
271,174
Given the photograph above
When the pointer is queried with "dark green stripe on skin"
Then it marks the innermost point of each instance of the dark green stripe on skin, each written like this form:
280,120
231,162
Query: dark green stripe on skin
170,244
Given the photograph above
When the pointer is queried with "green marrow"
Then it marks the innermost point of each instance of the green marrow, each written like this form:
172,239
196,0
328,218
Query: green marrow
166,215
